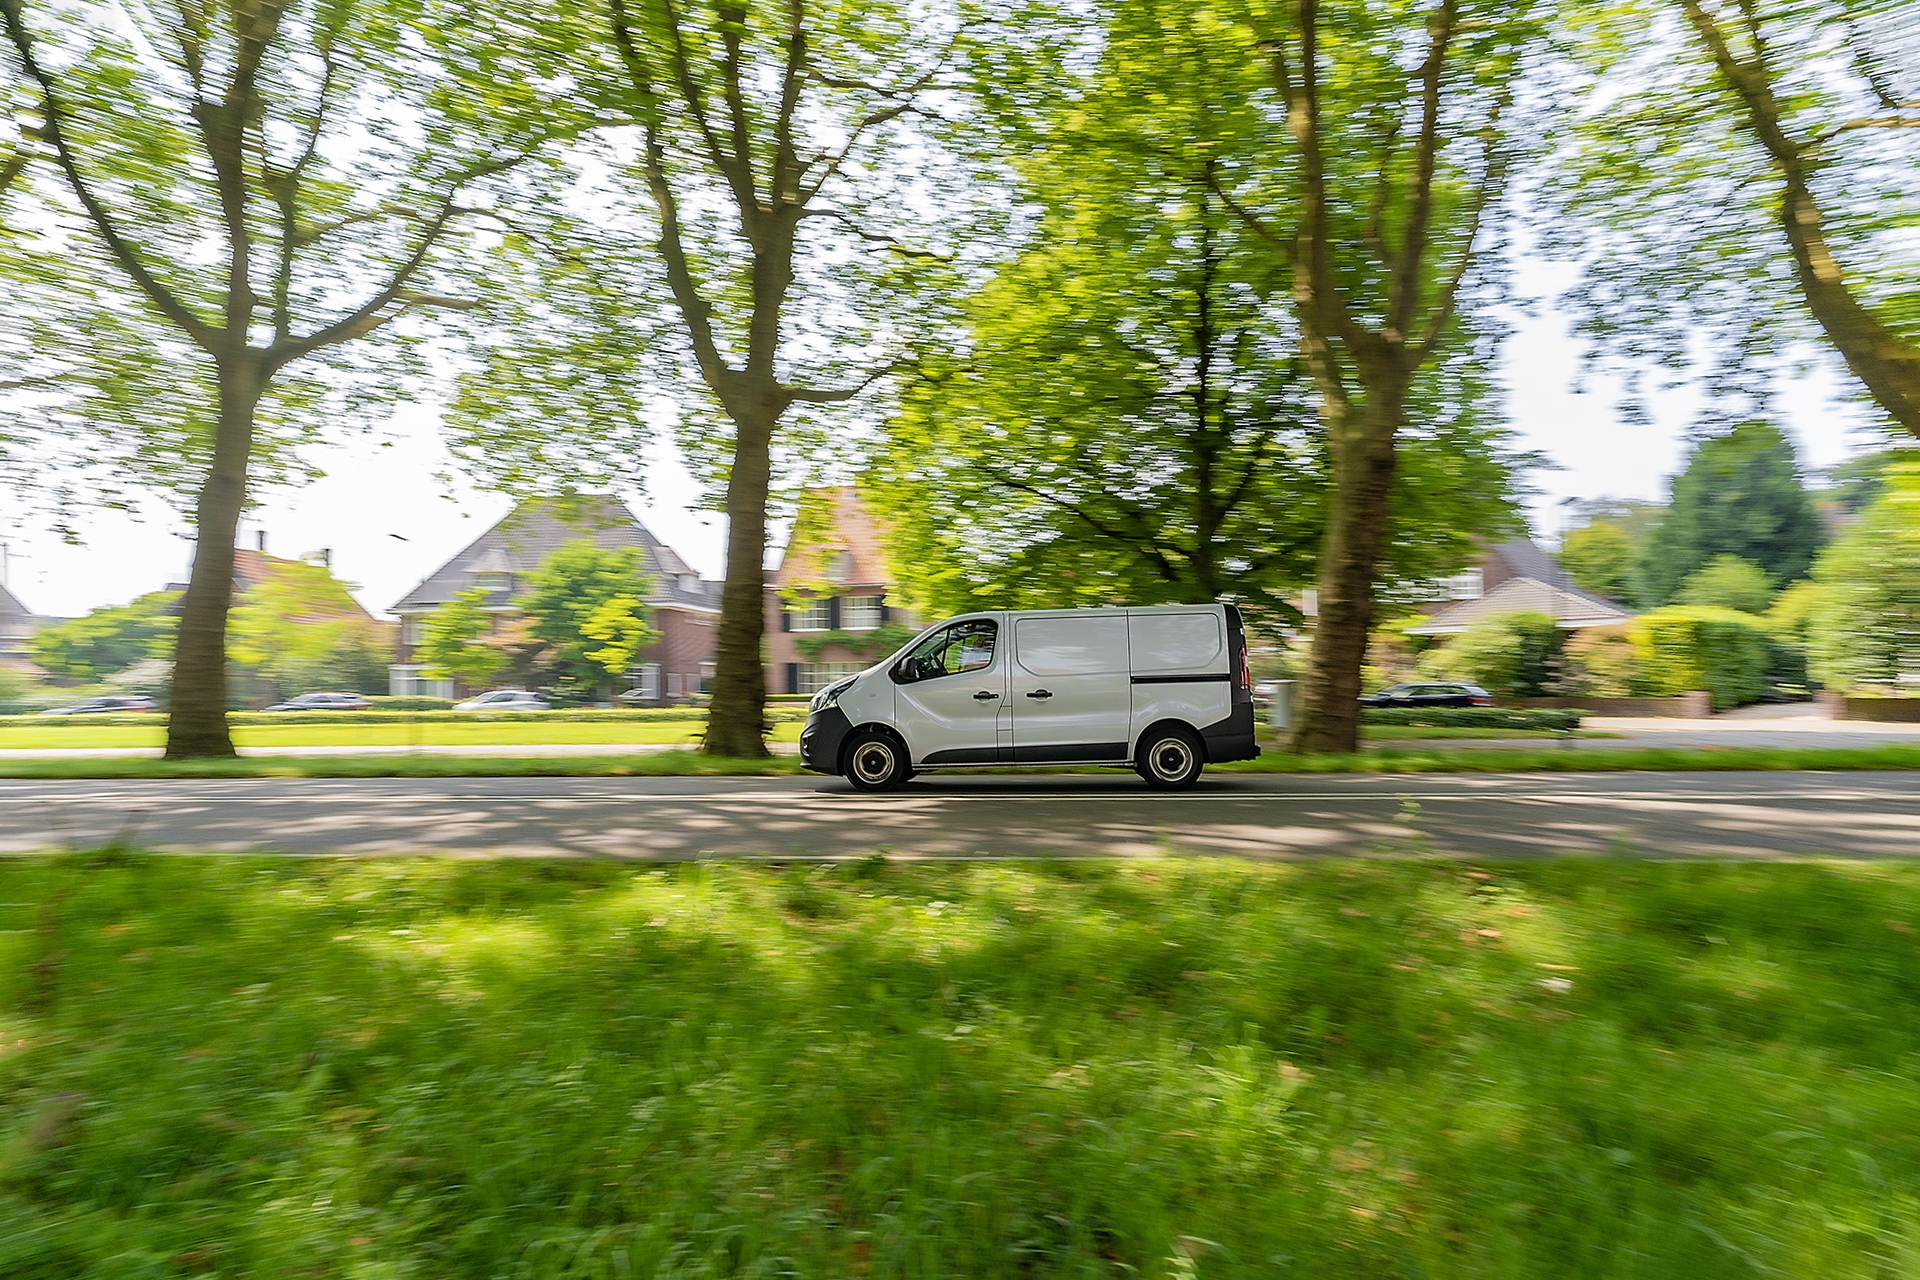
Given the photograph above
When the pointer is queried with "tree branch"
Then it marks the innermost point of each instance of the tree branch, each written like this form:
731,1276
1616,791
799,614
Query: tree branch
203,334
875,237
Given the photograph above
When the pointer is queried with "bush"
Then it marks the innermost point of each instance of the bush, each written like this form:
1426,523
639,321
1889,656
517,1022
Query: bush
1473,717
1511,655
411,704
1602,661
1684,649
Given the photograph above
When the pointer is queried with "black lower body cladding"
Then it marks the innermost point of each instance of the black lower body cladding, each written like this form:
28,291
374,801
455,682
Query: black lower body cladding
820,741
1231,738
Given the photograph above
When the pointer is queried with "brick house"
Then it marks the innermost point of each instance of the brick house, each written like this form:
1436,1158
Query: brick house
829,604
685,607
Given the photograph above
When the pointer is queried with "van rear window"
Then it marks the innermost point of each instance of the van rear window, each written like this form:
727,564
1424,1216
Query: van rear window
1071,646
1176,643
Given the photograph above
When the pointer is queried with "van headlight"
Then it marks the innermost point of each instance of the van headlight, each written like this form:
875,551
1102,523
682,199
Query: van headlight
828,697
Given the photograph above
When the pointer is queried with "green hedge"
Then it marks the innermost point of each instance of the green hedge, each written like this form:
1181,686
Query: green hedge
776,715
1719,650
1473,717
385,703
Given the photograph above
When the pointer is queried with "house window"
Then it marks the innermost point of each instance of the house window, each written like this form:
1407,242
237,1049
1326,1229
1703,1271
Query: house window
860,613
673,684
1466,585
412,682
646,681
815,676
812,615
839,566
493,583
410,631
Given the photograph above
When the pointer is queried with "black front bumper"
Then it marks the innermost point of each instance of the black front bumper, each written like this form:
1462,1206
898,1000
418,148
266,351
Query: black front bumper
821,739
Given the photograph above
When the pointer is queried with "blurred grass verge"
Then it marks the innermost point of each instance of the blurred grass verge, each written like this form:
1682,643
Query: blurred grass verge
1387,1068
425,764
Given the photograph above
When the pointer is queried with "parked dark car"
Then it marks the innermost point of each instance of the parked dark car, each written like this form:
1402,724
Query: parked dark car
323,702
117,702
1431,694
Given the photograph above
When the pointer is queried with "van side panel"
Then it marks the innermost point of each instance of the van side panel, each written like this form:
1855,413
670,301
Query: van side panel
1180,668
1068,691
1177,643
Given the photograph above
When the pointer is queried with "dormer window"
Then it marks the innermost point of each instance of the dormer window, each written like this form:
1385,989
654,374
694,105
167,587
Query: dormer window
493,583
839,566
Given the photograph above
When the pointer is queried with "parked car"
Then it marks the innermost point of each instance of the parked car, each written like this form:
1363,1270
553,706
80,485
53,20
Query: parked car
117,702
1164,691
323,702
1430,695
505,700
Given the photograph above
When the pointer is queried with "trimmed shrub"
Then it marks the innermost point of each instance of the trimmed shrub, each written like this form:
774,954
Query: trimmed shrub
1511,655
1472,717
1721,651
1602,661
384,703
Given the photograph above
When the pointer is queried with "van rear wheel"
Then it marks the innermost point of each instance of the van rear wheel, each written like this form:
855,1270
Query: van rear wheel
876,762
1170,759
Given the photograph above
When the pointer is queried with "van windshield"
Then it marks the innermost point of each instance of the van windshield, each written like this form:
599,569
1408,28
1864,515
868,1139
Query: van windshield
964,646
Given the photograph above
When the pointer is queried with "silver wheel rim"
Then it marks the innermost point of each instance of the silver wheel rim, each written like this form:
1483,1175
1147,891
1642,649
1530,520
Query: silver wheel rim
873,762
1170,759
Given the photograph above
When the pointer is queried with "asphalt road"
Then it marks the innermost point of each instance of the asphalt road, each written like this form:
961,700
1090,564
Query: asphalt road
1741,814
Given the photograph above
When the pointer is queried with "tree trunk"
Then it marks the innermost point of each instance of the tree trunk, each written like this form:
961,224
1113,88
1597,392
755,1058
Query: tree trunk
1363,465
197,714
736,721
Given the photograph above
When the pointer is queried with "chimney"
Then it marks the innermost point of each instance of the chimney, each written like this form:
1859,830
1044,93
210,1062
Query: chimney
261,541
326,558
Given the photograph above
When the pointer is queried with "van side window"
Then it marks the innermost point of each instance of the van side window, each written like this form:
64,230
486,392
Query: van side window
964,646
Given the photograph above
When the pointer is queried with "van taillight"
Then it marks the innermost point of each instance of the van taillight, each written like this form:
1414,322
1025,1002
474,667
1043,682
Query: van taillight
1246,671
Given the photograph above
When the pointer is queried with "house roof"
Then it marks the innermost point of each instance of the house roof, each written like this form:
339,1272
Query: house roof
534,530
1527,560
850,528
1567,606
251,568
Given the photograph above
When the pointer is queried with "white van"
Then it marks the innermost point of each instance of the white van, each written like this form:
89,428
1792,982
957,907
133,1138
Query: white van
1164,690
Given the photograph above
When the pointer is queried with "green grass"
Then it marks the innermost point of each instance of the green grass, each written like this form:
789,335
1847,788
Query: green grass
1412,731
422,1068
425,765
440,733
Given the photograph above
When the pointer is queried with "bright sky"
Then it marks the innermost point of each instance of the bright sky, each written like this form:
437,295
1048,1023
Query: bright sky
389,523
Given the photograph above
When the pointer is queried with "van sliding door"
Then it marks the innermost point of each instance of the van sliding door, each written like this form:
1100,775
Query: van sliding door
1070,689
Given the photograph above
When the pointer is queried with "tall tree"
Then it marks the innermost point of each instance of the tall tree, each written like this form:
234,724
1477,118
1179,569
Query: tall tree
1137,427
762,198
1740,495
250,185
1399,120
1734,142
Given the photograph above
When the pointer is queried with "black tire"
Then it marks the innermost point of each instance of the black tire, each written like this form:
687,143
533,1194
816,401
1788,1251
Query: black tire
1170,758
876,762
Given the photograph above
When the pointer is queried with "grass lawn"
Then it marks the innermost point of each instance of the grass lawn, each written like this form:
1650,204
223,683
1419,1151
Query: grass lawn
438,734
1416,731
1584,1068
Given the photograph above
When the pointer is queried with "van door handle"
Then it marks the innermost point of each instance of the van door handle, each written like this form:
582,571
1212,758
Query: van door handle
985,696
1041,694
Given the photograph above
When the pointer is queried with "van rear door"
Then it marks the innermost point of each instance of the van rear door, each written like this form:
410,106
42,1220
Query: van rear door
1070,688
1181,666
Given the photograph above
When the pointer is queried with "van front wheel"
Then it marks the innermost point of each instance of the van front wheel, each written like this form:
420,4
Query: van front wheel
876,762
1170,759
